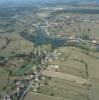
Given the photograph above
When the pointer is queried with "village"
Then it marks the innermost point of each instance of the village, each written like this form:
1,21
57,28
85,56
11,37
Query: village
45,68
49,54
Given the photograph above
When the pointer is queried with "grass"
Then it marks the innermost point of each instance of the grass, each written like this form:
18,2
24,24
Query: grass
81,55
3,78
36,96
69,87
71,61
17,45
25,69
59,92
76,27
93,66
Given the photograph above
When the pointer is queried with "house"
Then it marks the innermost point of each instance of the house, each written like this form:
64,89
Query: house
56,66
94,41
53,67
7,97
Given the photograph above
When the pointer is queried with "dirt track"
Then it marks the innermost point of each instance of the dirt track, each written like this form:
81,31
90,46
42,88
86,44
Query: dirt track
4,43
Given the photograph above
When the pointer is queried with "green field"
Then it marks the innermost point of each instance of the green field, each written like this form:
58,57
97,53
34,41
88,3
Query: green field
3,79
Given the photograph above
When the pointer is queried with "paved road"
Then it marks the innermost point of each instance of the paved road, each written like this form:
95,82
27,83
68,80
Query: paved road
31,82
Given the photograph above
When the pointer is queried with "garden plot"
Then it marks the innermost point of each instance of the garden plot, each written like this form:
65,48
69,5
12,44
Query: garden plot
71,67
61,92
65,85
37,96
71,88
82,87
91,59
68,77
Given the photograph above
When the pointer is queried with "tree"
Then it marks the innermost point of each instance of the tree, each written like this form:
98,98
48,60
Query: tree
52,94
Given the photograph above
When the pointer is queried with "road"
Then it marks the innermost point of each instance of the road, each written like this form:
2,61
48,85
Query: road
31,82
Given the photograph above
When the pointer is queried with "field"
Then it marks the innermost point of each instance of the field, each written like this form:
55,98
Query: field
36,96
71,77
16,44
3,79
71,24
